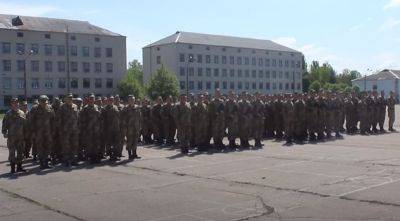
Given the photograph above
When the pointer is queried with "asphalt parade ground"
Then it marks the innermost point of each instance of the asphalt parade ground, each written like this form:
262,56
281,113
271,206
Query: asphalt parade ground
354,178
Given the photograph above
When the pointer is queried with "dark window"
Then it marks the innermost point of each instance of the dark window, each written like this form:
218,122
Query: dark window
182,57
216,72
158,59
62,83
287,86
239,60
260,85
267,75
74,51
224,73
48,50
35,66
267,62
208,85
199,58
246,61
20,65
254,85
182,71
231,60
96,39
267,86
216,85
240,85
182,85
208,72
61,66
191,71
6,65
199,72
86,83
109,52
48,36
253,61
260,74
85,51
74,83
35,83
20,34
109,67
34,48
216,59
260,62
223,59
231,73
253,73
74,66
48,66
208,59
224,85
86,67
6,48
232,85
246,85
73,37
98,83
97,67
97,52
200,85
240,73
109,83
60,50
20,48
280,86
191,85
190,46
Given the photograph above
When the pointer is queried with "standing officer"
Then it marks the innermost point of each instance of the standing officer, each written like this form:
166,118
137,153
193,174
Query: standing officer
391,102
232,119
217,119
131,119
200,116
183,123
112,127
13,128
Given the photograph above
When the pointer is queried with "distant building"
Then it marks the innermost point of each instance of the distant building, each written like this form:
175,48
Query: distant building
205,62
385,80
59,56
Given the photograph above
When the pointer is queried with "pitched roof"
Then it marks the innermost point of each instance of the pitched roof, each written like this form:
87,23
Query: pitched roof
221,40
382,75
51,25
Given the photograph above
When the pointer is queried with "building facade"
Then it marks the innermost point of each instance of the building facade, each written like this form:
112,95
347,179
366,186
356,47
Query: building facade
386,80
205,62
58,56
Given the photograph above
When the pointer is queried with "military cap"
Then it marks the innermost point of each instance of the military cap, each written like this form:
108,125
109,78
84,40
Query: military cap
91,95
78,99
111,97
98,98
14,99
70,95
116,96
35,101
43,98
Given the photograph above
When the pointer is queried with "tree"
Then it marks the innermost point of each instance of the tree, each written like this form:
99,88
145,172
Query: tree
163,83
315,86
132,84
347,76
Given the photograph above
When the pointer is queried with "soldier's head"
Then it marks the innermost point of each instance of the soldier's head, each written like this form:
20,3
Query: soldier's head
14,103
159,100
231,95
24,106
43,100
391,94
131,100
201,98
110,100
117,99
98,101
169,99
183,98
217,93
68,99
90,99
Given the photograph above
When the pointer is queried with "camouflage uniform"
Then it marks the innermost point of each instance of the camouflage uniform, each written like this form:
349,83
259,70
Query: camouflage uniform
244,122
289,120
90,123
120,138
278,118
183,123
168,123
131,128
217,121
112,127
146,123
200,116
257,121
157,123
381,112
232,121
68,124
391,102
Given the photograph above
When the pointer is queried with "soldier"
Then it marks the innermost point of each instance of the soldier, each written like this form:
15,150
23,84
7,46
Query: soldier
68,124
27,138
56,150
336,121
43,119
269,117
131,126
381,111
112,127
257,111
245,120
13,128
364,115
217,119
391,102
289,118
146,122
90,124
200,116
278,117
183,123
299,113
168,123
158,134
321,116
232,119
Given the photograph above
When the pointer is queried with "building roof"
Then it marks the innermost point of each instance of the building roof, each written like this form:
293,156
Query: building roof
221,40
385,74
15,22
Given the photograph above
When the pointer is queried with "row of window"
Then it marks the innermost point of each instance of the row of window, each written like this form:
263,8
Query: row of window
239,85
49,50
62,83
216,59
61,66
238,73
48,36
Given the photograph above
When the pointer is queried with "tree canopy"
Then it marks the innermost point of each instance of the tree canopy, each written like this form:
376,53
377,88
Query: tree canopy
163,83
132,84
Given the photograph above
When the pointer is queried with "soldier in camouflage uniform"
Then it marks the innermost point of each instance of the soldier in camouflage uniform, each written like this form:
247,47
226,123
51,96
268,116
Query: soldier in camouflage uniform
336,121
168,123
278,117
13,128
157,124
121,140
200,116
269,117
112,128
289,118
391,102
131,119
217,119
257,111
381,111
43,119
90,123
232,119
56,150
183,123
311,116
27,136
68,125
321,116
245,120
146,121
364,115
300,113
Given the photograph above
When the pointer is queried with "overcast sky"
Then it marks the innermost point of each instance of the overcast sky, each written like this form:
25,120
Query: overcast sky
356,34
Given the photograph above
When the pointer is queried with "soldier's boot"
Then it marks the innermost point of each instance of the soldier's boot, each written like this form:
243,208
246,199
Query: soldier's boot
337,135
320,136
232,144
34,157
328,135
257,143
130,155
20,168
184,150
12,168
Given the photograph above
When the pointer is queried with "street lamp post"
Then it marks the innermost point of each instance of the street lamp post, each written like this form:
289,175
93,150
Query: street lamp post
190,60
25,74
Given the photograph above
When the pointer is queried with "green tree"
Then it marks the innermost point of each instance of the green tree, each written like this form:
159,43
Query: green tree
315,86
163,83
132,84
347,76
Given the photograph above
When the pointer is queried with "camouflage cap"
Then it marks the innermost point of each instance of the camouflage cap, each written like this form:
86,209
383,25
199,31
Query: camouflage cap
70,95
24,103
43,98
91,95
78,99
98,98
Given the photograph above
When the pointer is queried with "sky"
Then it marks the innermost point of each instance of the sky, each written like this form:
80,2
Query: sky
363,35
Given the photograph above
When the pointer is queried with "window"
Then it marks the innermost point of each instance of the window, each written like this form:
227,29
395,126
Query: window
273,63
216,72
224,73
239,60
239,50
6,65
48,66
286,63
208,72
20,65
246,85
231,73
109,83
35,66
74,82
96,39
182,85
223,59
74,66
191,58
85,51
182,57
231,60
6,83
216,85
292,86
224,85
223,49
273,74
298,86
20,83
260,74
182,71
97,67
208,85
298,64
287,86
20,34
48,50
246,61
261,86
60,50
216,59
253,51
199,58
240,74
73,37
158,59
200,85
280,74
208,59
199,72
86,83
274,86
267,75
292,65
34,48
6,47
287,74
240,85
86,67
254,85
267,62
48,83
62,83
260,62
232,85
253,73
61,66
109,53
35,83
191,85
280,63
20,48
74,51
98,83
158,48
191,71
280,86
246,73
190,47
47,36
267,86
253,61
97,52
208,48
109,67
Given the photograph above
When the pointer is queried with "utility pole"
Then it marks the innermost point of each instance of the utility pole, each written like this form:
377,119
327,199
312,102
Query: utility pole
67,58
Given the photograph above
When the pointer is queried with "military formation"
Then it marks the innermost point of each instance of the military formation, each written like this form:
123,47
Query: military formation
97,128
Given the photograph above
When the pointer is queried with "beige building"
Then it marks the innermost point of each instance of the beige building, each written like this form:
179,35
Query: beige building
205,62
42,48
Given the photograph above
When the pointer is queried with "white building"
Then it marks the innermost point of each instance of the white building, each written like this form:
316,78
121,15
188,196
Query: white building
385,80
205,62
43,47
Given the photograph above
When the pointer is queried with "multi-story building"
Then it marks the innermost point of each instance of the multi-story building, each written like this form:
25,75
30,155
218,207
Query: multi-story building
205,62
57,56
